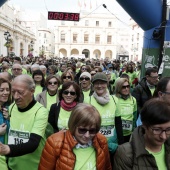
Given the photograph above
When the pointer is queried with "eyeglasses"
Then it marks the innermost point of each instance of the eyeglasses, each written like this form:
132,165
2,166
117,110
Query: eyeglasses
84,130
53,83
158,131
72,93
84,78
68,77
16,69
124,87
92,74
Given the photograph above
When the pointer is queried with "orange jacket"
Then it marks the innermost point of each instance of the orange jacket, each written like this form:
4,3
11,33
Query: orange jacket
58,152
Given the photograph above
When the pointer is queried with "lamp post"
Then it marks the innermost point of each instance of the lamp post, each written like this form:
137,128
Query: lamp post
7,36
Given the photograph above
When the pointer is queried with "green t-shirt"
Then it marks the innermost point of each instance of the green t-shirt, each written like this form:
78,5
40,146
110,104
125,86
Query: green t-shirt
128,110
160,158
86,96
50,100
38,89
108,112
3,164
22,124
63,119
85,158
132,76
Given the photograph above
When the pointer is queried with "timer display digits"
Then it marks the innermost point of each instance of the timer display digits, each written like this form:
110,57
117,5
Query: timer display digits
67,16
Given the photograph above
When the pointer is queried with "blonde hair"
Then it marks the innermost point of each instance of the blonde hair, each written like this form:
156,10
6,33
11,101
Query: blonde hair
119,84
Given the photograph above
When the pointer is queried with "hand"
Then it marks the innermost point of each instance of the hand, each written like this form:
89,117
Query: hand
5,113
4,149
3,129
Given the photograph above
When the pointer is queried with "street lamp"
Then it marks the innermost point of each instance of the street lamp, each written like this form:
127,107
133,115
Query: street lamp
7,36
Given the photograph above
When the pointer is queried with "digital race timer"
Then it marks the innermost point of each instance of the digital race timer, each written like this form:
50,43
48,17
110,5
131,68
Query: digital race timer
66,16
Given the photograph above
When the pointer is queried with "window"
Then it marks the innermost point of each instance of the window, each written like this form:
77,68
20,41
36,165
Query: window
109,39
86,38
75,23
137,36
74,38
62,22
109,24
62,37
132,38
97,39
86,23
39,34
44,35
97,23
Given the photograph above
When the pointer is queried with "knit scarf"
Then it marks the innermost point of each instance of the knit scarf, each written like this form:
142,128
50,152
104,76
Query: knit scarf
102,99
66,106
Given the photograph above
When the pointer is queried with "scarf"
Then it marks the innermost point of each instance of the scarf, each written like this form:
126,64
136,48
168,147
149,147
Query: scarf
102,99
66,106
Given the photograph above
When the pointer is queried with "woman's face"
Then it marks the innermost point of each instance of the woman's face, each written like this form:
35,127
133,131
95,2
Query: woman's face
100,87
38,78
52,85
67,78
85,82
85,134
155,135
69,95
92,74
125,88
83,69
4,93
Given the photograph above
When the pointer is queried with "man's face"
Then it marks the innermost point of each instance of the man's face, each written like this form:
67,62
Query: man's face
153,78
63,67
22,94
16,70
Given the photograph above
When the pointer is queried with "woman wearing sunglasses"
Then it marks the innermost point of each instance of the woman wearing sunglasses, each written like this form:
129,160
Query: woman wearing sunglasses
39,80
80,147
67,76
60,112
50,95
86,86
128,107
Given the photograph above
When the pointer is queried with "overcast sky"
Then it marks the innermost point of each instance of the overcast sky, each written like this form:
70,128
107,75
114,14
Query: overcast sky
44,6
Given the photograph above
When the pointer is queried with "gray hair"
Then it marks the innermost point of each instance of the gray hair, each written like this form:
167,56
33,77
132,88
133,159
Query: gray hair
26,79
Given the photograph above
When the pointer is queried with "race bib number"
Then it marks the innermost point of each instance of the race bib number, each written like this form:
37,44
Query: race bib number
127,125
17,137
107,131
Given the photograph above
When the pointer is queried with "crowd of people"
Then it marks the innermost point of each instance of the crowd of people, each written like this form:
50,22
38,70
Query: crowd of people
83,114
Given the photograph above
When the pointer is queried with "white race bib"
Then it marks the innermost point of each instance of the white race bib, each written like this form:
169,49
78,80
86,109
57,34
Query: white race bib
107,131
17,137
127,125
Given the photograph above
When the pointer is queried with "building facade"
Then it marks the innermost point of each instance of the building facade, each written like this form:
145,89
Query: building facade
94,36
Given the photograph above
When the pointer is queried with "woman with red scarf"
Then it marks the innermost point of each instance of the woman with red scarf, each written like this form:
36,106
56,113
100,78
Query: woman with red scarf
60,112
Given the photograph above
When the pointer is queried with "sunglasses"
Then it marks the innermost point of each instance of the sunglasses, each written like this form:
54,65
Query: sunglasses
16,69
93,74
84,130
124,87
83,68
84,78
68,77
72,93
54,83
